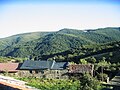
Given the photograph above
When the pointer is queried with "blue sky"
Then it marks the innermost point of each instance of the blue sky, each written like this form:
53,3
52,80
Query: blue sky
20,16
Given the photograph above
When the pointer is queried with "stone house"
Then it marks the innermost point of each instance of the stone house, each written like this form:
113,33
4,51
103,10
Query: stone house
44,69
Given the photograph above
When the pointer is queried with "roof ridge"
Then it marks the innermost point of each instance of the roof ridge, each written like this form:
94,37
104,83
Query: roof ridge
53,64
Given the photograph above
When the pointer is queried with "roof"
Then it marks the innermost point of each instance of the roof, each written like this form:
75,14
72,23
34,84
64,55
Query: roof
80,68
59,65
35,65
29,64
9,67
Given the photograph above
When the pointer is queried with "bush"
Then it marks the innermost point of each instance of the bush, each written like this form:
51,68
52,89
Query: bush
52,84
90,83
102,76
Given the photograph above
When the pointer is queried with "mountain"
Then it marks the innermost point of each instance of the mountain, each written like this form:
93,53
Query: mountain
49,43
20,38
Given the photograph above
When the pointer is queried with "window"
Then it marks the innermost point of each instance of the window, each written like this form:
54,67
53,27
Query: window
36,71
42,71
57,72
31,71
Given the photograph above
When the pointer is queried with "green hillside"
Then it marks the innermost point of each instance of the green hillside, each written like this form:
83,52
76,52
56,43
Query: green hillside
20,38
49,44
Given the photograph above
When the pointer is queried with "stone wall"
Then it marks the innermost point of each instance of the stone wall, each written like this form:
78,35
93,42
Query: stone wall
56,74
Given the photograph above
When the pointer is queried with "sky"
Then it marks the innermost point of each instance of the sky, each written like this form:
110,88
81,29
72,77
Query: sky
21,16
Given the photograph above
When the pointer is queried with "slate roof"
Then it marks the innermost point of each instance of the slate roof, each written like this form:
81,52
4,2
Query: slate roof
9,67
42,64
59,65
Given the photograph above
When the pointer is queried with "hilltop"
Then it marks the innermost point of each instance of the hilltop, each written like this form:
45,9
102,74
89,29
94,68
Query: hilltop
52,43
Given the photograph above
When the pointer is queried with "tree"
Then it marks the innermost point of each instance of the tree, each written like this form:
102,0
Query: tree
83,61
102,76
92,60
111,54
103,64
60,57
89,83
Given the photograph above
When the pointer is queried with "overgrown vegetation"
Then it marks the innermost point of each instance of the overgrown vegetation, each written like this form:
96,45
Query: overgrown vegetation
52,84
11,59
87,82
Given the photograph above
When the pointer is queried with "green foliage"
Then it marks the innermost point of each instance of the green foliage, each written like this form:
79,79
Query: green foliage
52,84
20,39
90,83
83,61
91,59
11,59
104,63
111,54
87,82
102,77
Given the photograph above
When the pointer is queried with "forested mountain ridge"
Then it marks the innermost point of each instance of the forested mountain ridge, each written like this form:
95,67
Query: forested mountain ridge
48,43
20,38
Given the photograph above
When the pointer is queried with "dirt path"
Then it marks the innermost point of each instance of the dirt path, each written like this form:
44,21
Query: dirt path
17,84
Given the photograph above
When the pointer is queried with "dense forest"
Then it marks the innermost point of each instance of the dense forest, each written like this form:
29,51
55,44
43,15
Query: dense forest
65,44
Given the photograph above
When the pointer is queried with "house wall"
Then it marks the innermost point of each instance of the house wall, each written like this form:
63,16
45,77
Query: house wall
81,68
53,74
9,74
57,74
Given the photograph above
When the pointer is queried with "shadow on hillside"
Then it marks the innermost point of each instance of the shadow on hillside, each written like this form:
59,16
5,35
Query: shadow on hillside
77,58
